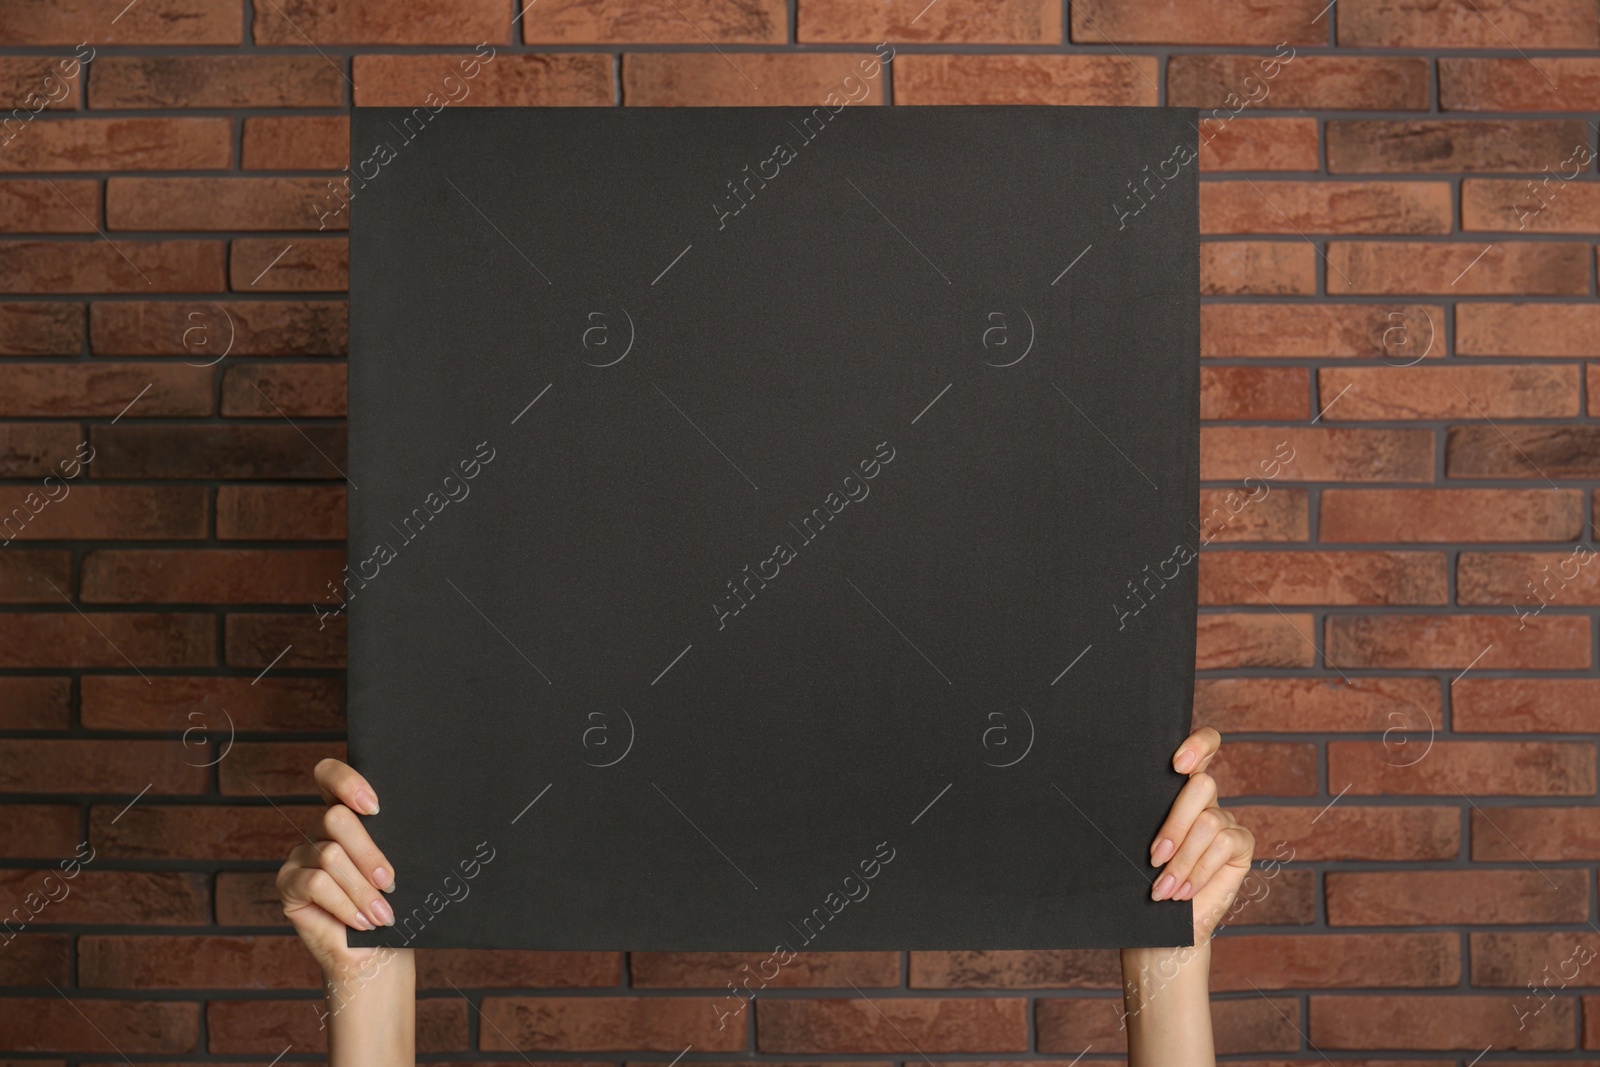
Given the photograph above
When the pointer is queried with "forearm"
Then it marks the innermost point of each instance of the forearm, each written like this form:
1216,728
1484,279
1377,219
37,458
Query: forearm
1167,1003
370,1012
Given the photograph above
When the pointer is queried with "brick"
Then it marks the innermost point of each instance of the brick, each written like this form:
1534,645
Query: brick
279,768
1239,640
1254,393
216,204
1400,333
39,831
101,267
32,959
1025,79
1523,452
45,83
32,329
1527,580
1303,207
1551,204
1445,642
658,1024
35,703
1266,769
34,390
181,22
1335,961
1437,1022
695,22
1329,454
1467,24
1434,146
909,1025
274,391
1526,705
1393,267
97,144
775,79
204,331
176,703
103,639
303,142
195,962
1256,1024
1510,768
249,898
1553,84
218,576
1261,144
153,831
1528,329
29,205
122,81
508,969
1451,514
1314,705
1477,897
1028,22
437,22
1347,832
167,898
26,577
45,1024
1263,578
256,640
1333,82
1265,268
1534,391
564,80
82,766
1231,515
1091,968
113,513
273,265
1204,22
38,450
1277,897
281,512
1527,835
714,970
1544,959
265,451
269,1026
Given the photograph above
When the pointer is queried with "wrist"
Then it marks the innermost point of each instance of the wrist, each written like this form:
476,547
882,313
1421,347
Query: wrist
1166,997
369,1008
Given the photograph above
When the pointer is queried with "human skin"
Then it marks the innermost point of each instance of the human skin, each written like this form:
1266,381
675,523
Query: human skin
337,882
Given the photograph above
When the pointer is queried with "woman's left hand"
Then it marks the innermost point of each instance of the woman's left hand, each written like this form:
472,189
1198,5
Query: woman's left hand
1204,852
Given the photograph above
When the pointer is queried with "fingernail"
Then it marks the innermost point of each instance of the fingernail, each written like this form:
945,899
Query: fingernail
1185,761
367,803
382,912
1163,852
362,922
383,879
1163,887
1185,891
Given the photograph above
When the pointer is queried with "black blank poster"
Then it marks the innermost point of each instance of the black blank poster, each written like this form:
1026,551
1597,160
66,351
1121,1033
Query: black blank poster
763,522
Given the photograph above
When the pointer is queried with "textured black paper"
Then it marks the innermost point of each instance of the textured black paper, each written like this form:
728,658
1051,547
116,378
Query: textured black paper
760,546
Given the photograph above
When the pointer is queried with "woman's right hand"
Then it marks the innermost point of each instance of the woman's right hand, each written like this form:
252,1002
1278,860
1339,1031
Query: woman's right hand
337,881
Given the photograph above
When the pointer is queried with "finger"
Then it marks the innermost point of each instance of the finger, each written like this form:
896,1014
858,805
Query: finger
1228,846
341,824
336,861
1207,825
303,887
1196,751
339,783
1197,794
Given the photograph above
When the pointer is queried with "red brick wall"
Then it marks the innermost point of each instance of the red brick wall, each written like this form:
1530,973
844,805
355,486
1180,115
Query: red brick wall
1400,225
